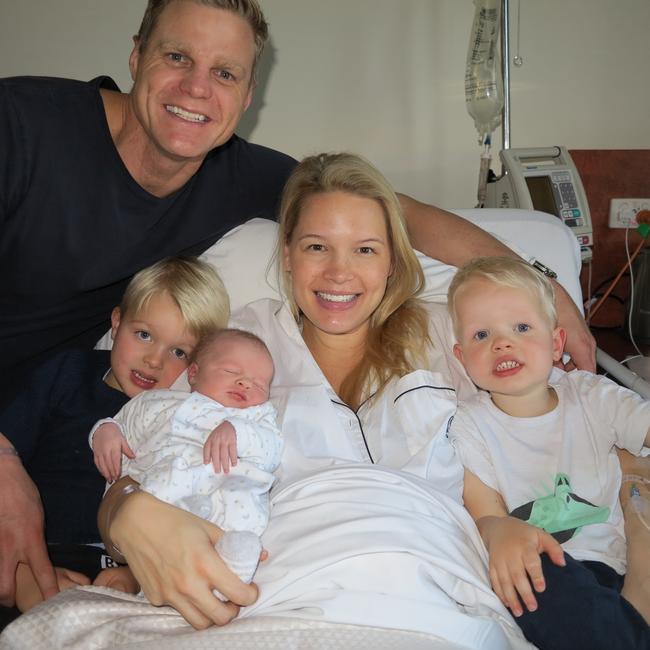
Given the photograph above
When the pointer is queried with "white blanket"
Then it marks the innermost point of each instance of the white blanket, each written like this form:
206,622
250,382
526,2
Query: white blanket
355,545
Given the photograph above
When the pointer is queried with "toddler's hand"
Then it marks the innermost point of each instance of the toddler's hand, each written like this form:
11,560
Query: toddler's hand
108,446
221,447
514,547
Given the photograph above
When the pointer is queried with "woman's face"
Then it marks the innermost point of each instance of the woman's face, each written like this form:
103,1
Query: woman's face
339,258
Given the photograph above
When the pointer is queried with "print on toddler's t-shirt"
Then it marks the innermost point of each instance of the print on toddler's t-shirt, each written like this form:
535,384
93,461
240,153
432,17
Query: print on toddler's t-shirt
561,513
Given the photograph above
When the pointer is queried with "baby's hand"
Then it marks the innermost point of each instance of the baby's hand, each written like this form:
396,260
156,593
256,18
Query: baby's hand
108,446
514,547
221,447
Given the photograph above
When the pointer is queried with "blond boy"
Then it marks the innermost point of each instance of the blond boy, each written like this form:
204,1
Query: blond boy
542,477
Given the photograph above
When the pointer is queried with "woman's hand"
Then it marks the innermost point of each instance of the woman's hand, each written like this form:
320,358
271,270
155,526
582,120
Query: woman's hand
171,554
514,548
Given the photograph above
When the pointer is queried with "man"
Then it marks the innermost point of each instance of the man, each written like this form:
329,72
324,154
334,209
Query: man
96,184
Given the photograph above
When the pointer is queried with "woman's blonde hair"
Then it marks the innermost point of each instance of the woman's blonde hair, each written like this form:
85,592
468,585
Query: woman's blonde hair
398,335
507,272
192,284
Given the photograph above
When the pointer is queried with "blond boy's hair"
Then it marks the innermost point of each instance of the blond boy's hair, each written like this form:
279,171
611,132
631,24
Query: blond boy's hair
192,284
508,272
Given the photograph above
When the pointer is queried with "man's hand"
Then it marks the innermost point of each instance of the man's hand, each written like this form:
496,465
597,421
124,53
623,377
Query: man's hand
514,548
580,343
21,531
28,594
221,447
108,446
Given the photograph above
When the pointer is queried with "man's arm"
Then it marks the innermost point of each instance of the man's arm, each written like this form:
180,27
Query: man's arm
447,237
453,240
22,530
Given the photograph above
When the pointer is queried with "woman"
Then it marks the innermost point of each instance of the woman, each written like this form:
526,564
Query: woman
368,478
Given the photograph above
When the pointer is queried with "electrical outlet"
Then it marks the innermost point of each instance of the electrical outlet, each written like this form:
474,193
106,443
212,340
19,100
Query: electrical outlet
622,212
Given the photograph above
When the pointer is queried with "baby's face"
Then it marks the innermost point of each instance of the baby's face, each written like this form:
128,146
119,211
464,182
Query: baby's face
234,371
505,341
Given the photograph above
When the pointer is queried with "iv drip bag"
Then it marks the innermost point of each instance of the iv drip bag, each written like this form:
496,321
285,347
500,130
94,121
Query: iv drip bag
483,80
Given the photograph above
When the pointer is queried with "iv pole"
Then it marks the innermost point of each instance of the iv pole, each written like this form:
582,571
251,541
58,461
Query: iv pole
505,69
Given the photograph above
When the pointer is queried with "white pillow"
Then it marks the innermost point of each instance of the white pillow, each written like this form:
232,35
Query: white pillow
244,260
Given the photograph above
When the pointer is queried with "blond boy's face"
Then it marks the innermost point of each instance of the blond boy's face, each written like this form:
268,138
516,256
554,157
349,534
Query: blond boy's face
150,347
505,341
233,371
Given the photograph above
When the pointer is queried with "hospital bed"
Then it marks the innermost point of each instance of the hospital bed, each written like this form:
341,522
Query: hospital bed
94,618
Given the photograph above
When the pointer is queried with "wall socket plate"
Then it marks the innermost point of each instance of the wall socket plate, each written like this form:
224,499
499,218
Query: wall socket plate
622,212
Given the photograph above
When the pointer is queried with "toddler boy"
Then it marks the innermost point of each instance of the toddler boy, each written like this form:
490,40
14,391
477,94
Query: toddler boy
538,447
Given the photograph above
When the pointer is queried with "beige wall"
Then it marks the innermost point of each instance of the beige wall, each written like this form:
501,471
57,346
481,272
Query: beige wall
385,77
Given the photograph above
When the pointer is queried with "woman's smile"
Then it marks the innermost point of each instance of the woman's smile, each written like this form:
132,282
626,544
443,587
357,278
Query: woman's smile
336,301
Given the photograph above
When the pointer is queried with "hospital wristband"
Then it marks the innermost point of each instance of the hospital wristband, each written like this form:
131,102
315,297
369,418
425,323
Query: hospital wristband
107,511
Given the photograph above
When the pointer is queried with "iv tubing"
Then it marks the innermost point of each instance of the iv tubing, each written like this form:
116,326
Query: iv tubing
604,297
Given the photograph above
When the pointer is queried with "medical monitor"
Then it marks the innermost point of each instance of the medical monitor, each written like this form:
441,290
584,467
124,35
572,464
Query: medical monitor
543,179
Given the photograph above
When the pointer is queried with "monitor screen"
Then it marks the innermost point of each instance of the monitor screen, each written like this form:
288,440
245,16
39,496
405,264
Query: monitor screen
541,194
